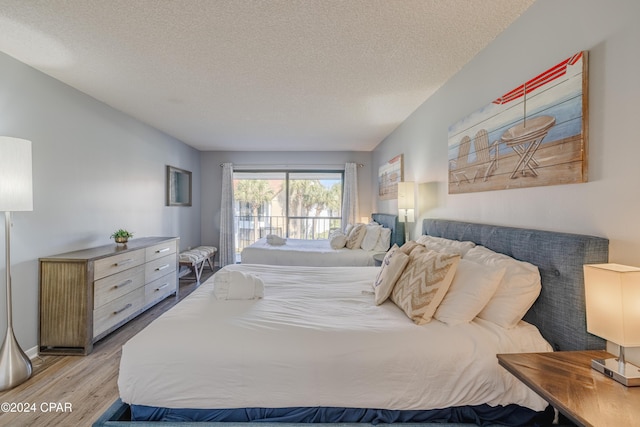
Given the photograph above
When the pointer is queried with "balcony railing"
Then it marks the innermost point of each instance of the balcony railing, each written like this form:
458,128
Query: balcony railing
251,228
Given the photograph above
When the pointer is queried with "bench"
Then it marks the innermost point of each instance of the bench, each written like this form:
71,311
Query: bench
196,258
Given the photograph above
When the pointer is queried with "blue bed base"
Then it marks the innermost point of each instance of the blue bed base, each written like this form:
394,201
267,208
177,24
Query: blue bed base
120,415
559,312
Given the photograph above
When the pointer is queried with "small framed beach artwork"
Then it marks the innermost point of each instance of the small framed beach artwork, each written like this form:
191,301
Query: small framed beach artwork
389,175
533,135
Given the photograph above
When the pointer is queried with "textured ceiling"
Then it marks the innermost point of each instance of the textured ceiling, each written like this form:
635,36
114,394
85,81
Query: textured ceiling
257,75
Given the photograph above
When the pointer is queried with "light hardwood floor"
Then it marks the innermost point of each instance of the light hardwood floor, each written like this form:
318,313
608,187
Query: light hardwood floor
75,390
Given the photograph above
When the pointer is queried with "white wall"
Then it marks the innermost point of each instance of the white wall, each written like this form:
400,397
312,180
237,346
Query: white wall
609,204
95,170
212,177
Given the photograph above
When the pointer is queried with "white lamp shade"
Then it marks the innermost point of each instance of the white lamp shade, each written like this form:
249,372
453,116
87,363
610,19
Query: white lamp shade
16,186
406,197
612,293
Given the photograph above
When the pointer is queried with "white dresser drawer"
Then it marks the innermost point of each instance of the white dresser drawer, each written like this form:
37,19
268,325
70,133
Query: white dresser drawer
160,288
111,287
161,250
117,263
117,310
160,267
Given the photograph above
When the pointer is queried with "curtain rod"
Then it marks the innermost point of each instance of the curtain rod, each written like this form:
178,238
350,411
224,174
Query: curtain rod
294,166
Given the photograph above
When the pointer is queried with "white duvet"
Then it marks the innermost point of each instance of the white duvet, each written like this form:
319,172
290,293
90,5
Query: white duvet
305,253
318,339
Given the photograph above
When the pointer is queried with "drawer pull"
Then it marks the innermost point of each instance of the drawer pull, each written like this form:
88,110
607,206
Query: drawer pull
124,262
122,309
125,283
162,287
162,267
159,251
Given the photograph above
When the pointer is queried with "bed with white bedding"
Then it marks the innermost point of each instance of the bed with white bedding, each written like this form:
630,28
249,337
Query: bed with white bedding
304,252
316,341
262,349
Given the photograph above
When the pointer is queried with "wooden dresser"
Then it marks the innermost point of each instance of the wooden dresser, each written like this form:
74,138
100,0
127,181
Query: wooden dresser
86,294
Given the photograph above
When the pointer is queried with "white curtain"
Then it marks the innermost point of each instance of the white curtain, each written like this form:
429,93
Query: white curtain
350,195
227,231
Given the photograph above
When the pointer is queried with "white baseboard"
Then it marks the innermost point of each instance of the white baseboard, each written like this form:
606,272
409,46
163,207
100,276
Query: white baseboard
32,353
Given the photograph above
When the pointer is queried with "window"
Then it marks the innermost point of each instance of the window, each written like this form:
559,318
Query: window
300,204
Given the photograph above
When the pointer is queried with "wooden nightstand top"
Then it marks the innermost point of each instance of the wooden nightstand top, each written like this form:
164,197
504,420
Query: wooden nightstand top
566,380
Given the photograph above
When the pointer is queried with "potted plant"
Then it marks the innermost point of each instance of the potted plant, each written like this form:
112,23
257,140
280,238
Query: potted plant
121,236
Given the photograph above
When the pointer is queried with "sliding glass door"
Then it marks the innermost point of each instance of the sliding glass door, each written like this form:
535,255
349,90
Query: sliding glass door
293,204
315,200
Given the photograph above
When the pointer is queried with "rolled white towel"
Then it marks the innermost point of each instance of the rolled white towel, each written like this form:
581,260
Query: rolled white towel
221,283
275,240
239,285
222,276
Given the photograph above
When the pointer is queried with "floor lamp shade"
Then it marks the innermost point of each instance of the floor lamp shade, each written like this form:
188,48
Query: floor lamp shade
16,186
16,194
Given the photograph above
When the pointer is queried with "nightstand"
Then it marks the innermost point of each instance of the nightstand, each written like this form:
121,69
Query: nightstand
378,258
566,380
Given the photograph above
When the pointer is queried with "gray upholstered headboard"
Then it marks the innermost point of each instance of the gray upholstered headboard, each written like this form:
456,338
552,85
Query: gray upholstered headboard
392,222
559,311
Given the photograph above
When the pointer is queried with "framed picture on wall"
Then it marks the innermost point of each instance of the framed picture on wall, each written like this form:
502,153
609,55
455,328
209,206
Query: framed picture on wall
389,175
532,135
178,187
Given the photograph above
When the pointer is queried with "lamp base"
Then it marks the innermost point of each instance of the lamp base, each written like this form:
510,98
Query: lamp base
15,366
625,372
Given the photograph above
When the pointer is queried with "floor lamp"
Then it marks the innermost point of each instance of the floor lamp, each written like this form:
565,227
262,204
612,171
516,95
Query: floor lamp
16,194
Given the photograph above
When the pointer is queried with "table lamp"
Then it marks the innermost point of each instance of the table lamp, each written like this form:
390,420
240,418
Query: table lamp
406,201
16,194
612,294
406,205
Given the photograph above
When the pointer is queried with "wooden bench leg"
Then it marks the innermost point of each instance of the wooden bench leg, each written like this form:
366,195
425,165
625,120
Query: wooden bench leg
210,260
198,270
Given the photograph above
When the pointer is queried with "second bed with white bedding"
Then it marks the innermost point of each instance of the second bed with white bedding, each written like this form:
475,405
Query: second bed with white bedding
303,252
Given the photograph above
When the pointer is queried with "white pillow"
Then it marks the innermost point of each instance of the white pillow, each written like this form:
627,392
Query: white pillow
472,288
440,244
337,240
370,237
384,241
518,289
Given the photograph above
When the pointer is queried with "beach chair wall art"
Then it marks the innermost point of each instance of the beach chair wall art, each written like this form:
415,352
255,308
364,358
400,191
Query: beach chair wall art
533,135
389,175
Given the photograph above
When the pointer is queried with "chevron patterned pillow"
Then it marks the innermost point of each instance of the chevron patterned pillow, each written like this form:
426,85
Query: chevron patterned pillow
424,283
409,246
